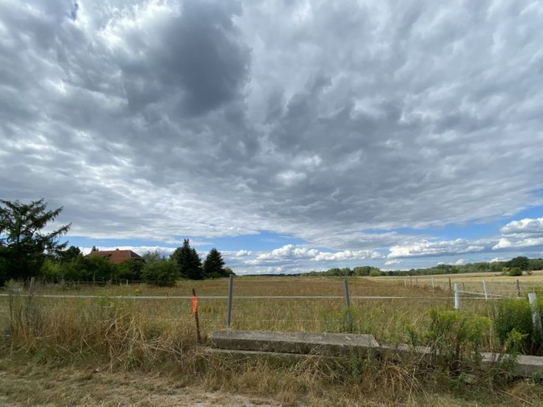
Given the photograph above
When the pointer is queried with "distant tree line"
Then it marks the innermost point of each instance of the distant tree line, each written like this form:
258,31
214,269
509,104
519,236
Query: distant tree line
27,251
348,272
514,267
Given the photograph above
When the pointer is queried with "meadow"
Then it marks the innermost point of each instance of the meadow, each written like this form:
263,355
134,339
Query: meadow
126,331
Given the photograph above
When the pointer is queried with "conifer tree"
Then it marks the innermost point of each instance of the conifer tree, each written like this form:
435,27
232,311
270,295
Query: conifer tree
188,262
214,264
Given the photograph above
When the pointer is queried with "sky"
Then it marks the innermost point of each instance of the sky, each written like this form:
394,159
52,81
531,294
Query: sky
290,135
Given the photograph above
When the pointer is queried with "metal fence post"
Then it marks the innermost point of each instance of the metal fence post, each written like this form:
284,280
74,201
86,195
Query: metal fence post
348,304
456,297
536,316
229,309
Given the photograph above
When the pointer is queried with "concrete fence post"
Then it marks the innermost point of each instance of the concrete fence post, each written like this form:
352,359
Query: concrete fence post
518,287
456,297
32,285
348,305
536,316
230,292
433,284
485,290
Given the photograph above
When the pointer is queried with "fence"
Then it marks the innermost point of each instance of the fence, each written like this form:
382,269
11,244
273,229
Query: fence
484,288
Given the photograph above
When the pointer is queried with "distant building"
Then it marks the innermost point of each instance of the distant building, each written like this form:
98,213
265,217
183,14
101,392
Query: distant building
117,256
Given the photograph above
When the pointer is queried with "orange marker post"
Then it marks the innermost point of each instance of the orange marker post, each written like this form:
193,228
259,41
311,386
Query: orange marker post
195,312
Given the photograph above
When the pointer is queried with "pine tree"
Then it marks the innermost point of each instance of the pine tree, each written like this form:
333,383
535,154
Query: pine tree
188,262
24,245
213,265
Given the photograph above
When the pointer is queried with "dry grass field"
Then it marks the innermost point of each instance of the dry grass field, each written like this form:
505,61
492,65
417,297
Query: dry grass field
155,338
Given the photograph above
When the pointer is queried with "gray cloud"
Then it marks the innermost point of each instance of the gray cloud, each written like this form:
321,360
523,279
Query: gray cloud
321,120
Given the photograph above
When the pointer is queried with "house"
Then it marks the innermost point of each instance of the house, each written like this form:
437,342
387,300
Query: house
117,256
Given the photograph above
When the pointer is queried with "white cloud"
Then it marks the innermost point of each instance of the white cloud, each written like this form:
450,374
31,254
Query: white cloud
243,253
459,262
393,262
292,252
505,243
524,227
436,248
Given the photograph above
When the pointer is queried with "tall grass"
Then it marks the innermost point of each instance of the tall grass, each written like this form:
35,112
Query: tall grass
153,334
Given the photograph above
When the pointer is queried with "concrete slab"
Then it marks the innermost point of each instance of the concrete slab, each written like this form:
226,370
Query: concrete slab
252,343
293,342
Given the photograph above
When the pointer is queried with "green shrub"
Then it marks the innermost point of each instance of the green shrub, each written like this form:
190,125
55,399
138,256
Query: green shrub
51,271
161,273
129,270
457,337
514,272
516,315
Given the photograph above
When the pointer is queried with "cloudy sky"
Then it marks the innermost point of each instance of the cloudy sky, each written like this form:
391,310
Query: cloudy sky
290,135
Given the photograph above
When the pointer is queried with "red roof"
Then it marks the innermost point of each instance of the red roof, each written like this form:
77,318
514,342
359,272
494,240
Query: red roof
117,256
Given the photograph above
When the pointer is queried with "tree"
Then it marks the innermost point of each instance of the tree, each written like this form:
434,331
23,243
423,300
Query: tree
161,273
129,270
24,245
520,262
188,262
213,265
69,254
152,257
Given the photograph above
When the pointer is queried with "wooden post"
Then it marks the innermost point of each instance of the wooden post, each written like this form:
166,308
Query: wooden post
485,290
536,316
32,284
456,297
348,305
229,309
518,287
195,311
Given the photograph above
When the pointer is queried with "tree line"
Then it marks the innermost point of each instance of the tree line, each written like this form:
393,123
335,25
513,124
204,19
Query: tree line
514,267
26,251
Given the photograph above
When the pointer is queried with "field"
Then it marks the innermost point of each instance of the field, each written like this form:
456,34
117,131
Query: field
136,328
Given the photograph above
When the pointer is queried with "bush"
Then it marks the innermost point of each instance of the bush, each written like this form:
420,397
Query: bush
162,273
516,315
51,271
457,337
514,272
130,270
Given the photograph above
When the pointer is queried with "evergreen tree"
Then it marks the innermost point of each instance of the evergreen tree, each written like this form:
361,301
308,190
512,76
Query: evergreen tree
188,262
213,265
24,245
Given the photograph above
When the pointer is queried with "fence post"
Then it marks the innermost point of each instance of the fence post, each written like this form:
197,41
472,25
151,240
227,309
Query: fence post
195,311
32,284
230,291
433,284
484,289
348,304
456,297
450,284
536,317
518,287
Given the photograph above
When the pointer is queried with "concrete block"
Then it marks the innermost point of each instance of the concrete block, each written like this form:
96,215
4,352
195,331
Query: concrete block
291,342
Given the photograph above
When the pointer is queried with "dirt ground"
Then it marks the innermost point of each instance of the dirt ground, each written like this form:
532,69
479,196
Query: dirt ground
23,386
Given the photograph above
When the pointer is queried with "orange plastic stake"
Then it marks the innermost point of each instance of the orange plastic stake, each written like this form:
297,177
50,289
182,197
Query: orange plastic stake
194,304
